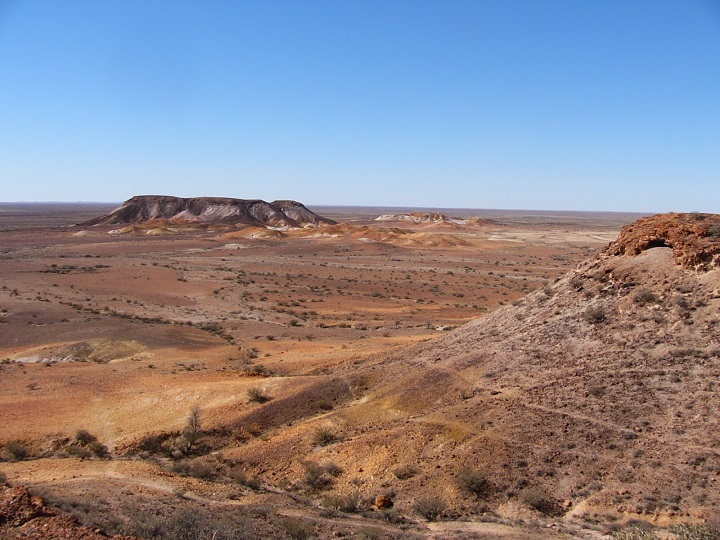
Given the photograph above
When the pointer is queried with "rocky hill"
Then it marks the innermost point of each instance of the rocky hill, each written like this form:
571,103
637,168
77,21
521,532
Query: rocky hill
211,210
594,398
25,517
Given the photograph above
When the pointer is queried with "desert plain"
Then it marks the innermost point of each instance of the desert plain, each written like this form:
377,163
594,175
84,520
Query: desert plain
242,382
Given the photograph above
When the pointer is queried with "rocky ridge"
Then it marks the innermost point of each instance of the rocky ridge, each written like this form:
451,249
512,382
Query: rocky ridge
211,210
23,516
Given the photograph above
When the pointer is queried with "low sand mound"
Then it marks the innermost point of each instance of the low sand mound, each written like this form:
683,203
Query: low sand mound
100,351
386,235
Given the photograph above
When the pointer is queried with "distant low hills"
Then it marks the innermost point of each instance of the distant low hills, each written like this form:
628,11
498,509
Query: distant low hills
211,210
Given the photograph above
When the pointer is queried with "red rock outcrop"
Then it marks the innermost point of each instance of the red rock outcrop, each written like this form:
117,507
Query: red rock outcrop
694,239
27,517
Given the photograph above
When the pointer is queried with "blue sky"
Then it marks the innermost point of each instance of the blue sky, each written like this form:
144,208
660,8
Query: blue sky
565,105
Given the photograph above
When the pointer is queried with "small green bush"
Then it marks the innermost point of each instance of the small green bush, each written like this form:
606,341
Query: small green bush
431,508
714,229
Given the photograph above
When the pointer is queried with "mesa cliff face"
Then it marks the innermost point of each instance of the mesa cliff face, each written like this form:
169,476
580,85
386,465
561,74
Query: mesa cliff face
211,210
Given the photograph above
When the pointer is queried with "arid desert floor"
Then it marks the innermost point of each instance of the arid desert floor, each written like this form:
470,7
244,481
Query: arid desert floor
148,370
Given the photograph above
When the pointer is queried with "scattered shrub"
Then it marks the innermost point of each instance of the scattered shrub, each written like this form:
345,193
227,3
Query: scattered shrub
646,296
474,482
316,476
84,437
323,405
79,451
191,524
333,469
145,525
17,450
324,436
349,503
369,533
405,472
714,229
152,444
257,395
297,529
241,477
634,533
539,500
594,314
3,478
431,508
687,531
99,449
199,468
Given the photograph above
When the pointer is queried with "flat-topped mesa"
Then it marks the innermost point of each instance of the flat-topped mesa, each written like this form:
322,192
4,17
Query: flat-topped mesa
694,238
142,208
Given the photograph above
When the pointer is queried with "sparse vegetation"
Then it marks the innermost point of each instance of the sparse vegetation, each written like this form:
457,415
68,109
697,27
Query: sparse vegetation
595,314
646,296
239,475
474,482
316,476
83,436
348,503
634,533
688,531
201,469
324,436
405,472
431,508
257,395
297,529
538,500
17,450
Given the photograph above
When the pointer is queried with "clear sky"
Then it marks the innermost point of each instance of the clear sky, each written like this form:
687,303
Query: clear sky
527,104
